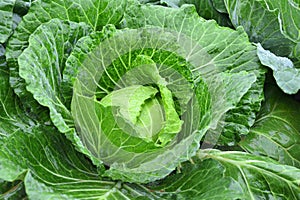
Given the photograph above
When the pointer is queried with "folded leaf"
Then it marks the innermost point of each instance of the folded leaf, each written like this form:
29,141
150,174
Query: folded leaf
285,73
199,180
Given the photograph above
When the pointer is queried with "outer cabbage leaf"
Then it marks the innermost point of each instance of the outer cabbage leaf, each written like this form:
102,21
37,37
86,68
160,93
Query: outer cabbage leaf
274,24
42,65
260,177
276,132
199,180
52,169
94,13
285,73
11,12
228,50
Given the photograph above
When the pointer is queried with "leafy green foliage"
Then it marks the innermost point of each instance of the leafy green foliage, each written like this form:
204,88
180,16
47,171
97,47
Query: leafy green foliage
119,99
276,25
11,12
280,143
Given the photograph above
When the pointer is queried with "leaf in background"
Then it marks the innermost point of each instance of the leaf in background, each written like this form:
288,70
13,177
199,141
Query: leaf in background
228,50
259,177
220,6
95,13
211,9
274,24
12,190
11,12
284,72
276,132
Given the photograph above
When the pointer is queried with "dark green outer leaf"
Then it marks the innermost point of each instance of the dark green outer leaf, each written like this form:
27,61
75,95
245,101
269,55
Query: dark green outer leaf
53,169
260,177
42,65
12,115
93,12
276,132
201,180
11,12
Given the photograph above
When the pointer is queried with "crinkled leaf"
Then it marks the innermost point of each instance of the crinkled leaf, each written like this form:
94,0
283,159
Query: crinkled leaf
95,13
11,12
260,177
276,132
43,62
42,65
285,73
12,115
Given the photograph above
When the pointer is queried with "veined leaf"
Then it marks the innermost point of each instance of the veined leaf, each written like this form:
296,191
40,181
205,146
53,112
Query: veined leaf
199,180
94,13
276,132
259,177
